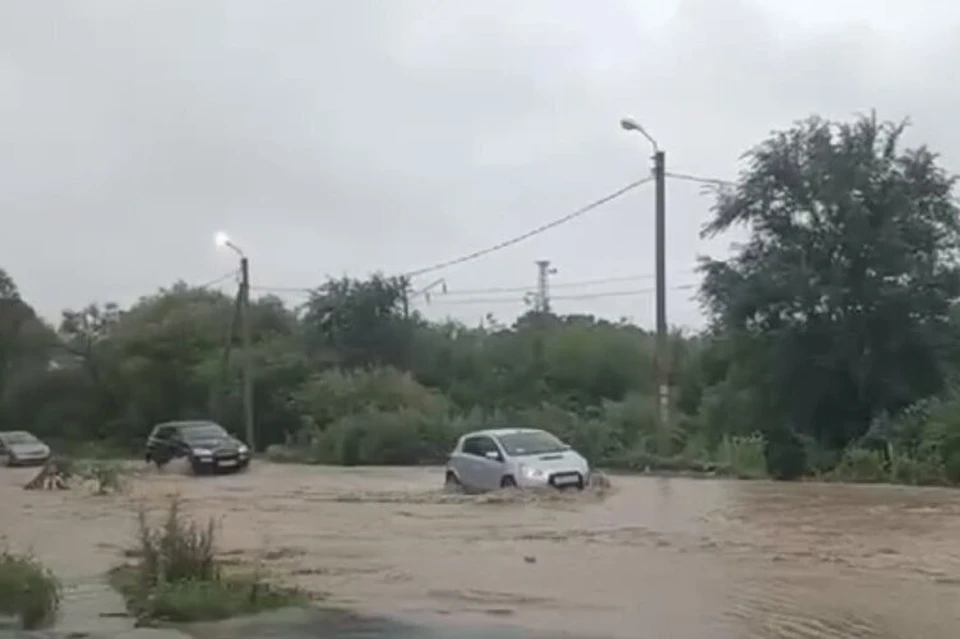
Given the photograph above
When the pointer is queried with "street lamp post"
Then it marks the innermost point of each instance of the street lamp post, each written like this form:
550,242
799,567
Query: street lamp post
223,240
663,374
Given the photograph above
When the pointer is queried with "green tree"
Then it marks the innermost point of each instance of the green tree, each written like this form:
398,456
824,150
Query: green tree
839,302
355,323
26,346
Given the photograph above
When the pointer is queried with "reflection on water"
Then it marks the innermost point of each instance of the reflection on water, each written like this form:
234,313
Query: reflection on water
676,558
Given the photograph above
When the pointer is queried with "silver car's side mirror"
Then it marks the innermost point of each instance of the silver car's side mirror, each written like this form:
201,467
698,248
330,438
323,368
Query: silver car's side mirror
566,446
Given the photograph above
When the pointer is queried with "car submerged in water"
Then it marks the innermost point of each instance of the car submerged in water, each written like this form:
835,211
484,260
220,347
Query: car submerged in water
206,445
514,458
21,448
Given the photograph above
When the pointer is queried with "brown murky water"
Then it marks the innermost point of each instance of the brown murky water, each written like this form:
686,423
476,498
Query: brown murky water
672,558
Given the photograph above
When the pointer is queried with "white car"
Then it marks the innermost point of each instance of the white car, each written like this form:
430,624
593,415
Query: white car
514,457
18,447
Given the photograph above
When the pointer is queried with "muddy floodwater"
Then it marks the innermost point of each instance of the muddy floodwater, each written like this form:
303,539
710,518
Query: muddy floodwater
654,557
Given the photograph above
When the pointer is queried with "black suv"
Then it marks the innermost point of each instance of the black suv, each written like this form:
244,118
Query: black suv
207,445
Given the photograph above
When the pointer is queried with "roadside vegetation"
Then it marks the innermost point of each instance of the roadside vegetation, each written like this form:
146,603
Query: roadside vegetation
177,576
832,345
28,590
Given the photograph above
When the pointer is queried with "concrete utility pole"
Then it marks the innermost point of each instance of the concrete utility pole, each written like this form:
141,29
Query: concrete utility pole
663,363
542,302
405,290
244,316
216,402
247,354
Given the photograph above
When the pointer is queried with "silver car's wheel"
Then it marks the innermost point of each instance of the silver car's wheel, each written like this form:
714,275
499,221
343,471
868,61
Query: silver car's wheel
451,484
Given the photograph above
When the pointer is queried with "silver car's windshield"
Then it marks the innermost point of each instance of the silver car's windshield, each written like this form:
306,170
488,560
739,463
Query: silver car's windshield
18,437
530,443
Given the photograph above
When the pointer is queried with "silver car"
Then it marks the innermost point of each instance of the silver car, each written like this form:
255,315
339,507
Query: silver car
18,447
514,457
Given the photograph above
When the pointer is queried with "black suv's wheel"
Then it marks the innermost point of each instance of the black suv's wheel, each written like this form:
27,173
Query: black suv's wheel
159,458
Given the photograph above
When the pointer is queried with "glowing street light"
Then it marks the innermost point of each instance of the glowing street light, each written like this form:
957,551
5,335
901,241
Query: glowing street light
222,240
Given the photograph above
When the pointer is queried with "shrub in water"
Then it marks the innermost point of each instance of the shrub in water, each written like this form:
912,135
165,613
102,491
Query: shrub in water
178,577
178,550
28,591
106,476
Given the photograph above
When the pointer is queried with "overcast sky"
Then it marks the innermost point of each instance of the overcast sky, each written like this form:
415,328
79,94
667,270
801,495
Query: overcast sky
348,136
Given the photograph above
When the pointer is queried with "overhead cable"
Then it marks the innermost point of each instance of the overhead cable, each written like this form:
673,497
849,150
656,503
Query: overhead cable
218,280
584,296
701,180
538,230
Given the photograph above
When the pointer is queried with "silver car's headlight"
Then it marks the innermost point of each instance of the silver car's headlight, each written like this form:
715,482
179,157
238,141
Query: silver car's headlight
242,449
532,473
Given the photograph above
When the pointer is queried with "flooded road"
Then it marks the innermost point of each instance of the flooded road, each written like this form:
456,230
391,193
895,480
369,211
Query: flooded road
677,558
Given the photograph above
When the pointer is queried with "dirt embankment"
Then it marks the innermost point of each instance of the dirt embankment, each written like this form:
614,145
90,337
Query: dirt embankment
654,557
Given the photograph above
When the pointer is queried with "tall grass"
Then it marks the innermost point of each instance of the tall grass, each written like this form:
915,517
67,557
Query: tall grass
178,550
178,576
28,590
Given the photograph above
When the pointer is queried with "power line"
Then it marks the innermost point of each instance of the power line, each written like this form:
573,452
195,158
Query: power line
583,296
540,229
218,280
555,285
701,180
491,249
495,289
639,291
285,289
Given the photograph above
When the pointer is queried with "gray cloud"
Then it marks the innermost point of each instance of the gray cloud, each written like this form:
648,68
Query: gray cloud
343,137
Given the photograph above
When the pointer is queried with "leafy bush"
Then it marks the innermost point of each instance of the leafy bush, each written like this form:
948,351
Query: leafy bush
620,436
922,442
391,438
108,477
179,578
28,590
785,453
595,438
332,395
918,471
861,465
744,456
